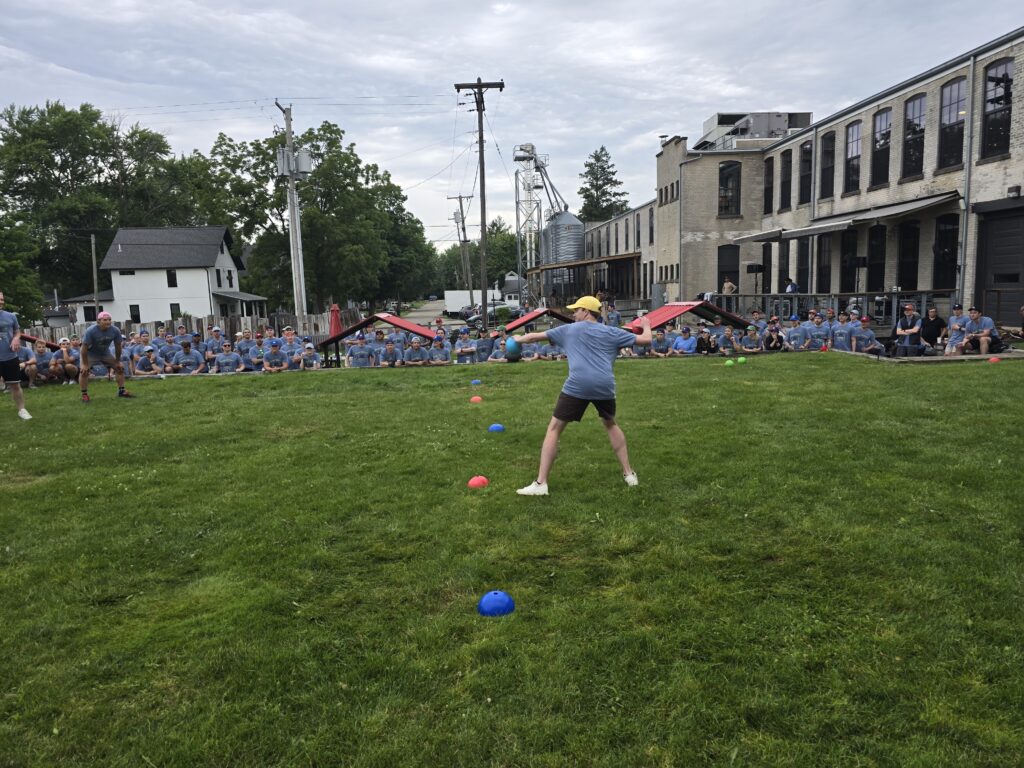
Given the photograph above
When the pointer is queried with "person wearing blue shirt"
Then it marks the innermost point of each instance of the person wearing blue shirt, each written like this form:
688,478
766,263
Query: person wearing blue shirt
27,364
399,339
390,357
660,346
591,349
292,348
310,358
484,345
842,332
530,353
819,333
797,338
670,334
214,344
96,348
376,344
956,328
756,319
980,333
863,339
612,317
498,353
245,344
274,360
465,348
359,355
45,371
188,361
416,355
148,364
438,354
685,344
183,335
717,330
830,320
65,361
750,344
227,361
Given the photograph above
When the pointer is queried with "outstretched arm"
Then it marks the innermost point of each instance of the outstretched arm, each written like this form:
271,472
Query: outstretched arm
530,338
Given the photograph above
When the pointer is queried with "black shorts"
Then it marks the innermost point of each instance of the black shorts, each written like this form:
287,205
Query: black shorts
10,371
569,408
995,344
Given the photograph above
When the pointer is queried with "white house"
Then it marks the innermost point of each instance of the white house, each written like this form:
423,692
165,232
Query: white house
161,273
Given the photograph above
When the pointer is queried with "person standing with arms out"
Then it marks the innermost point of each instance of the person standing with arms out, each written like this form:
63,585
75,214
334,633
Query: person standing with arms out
10,367
591,348
96,349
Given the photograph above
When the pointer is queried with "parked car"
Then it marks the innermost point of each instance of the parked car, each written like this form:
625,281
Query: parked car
476,321
431,297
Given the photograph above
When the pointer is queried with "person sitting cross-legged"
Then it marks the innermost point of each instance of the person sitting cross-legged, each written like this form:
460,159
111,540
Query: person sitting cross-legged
227,361
148,363
189,361
660,345
439,355
310,360
686,344
750,344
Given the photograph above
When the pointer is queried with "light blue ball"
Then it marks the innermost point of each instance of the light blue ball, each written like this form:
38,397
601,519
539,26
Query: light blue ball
496,428
511,347
496,603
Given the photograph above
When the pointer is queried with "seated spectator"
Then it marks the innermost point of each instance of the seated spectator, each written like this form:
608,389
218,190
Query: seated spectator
484,345
227,361
214,345
64,362
444,338
465,348
439,355
819,333
908,333
728,344
311,358
274,360
498,355
718,330
27,364
390,357
377,344
167,352
530,353
797,338
863,339
841,333
399,339
359,355
416,355
189,362
148,363
670,334
244,343
981,334
183,335
758,321
144,341
257,353
956,330
750,344
291,347
707,344
688,345
660,345
773,340
44,371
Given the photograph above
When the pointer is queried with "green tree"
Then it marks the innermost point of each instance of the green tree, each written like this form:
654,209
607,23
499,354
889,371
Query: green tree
19,282
600,192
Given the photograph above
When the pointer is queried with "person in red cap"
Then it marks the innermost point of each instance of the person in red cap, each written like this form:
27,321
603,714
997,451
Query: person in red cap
591,348
96,348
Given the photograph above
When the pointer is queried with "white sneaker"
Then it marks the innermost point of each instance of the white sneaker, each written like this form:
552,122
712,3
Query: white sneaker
24,414
534,489
631,479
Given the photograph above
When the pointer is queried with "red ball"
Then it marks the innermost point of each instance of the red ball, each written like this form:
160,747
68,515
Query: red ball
476,399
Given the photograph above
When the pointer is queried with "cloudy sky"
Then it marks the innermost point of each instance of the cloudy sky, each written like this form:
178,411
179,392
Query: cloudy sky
578,75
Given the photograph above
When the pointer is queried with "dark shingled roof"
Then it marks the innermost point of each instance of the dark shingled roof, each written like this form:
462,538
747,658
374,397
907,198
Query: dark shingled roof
86,298
168,248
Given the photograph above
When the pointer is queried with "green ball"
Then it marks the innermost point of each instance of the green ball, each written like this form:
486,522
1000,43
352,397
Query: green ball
741,359
730,362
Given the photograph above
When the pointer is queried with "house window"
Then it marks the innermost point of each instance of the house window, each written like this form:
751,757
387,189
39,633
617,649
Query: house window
851,172
828,165
599,244
616,237
218,278
625,224
231,279
995,126
823,281
133,310
608,240
881,140
906,265
848,261
913,136
876,259
89,313
951,123
785,179
947,243
729,188
803,263
126,272
175,311
650,226
766,263
172,278
637,230
783,265
590,245
769,185
806,153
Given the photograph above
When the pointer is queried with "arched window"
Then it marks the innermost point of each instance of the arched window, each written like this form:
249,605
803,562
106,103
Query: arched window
952,110
729,188
995,126
786,180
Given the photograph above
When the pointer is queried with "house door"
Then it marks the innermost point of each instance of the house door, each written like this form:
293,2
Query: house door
1000,279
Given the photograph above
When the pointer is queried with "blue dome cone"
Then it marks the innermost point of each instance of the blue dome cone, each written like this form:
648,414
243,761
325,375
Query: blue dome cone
496,603
496,428
475,381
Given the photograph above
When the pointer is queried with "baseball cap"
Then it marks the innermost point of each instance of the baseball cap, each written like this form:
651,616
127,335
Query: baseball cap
64,340
685,329
380,331
794,317
439,338
196,334
958,306
704,330
310,346
973,309
225,343
287,328
909,306
104,316
275,342
215,328
143,332
415,338
307,338
751,327
181,326
590,303
237,334
360,336
865,319
259,335
148,349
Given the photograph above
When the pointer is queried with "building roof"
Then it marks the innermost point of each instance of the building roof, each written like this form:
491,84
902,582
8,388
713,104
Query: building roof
168,248
86,298
239,296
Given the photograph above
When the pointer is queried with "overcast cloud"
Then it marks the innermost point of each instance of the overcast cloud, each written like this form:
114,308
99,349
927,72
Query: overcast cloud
577,74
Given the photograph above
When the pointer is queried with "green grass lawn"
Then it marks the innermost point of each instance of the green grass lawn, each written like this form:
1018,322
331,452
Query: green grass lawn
821,567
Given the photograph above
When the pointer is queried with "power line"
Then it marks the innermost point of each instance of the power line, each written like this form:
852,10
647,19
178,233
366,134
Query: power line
489,128
441,171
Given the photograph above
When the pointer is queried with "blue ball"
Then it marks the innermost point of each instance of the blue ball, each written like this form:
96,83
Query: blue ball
475,381
496,603
511,347
496,428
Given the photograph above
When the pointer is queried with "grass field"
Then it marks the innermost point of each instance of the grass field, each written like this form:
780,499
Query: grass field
822,566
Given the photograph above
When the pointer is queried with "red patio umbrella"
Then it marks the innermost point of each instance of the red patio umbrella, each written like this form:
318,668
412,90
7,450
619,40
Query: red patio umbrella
335,320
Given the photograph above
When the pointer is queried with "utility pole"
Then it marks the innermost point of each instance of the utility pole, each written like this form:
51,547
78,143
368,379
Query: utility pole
95,277
288,164
460,220
478,89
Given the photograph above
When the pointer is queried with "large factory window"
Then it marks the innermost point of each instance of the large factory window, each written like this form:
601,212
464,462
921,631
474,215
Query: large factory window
729,188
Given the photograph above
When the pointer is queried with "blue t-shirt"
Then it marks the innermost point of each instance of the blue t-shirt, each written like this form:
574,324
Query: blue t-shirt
100,342
291,350
750,342
189,361
214,345
73,356
310,361
956,335
685,344
484,347
614,318
413,355
389,358
661,346
796,337
274,358
465,351
8,327
440,354
43,358
26,354
983,323
360,356
718,331
905,341
591,348
864,337
146,365
497,354
228,361
841,336
820,334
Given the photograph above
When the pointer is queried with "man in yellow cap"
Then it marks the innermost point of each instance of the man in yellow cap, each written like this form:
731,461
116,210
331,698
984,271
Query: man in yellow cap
591,348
